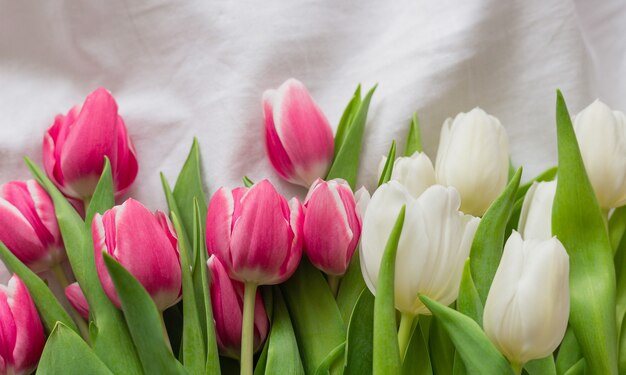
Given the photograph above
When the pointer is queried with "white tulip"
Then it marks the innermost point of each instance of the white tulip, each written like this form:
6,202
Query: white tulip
535,222
601,135
362,197
527,307
473,157
434,244
415,172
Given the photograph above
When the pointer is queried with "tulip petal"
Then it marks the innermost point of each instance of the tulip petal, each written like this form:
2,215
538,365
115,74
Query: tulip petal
18,235
274,148
219,225
53,143
104,241
8,330
75,295
30,339
82,156
127,167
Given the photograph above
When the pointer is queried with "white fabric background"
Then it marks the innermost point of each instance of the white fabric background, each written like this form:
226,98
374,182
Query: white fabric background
185,68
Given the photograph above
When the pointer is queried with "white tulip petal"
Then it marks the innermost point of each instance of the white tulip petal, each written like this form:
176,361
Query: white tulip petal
535,220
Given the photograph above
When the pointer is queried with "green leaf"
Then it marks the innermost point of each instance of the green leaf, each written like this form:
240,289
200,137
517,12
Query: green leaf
104,196
346,163
489,239
578,223
261,363
189,186
314,314
578,368
386,351
569,352
622,349
331,360
542,366
513,222
144,322
347,119
49,308
359,344
478,353
620,276
468,302
442,353
66,353
247,182
350,289
282,356
113,344
385,176
417,359
617,227
414,139
203,294
193,350
547,175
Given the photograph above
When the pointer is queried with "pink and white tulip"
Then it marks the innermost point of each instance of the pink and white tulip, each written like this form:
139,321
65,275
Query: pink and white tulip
145,244
77,299
28,225
227,300
332,226
255,233
74,147
298,137
21,333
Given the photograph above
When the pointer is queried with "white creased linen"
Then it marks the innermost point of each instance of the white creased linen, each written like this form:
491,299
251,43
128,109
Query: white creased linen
180,69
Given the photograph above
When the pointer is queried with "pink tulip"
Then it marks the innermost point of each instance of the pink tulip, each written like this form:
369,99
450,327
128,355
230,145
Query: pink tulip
255,233
227,301
28,225
145,244
21,333
298,138
77,299
332,226
74,147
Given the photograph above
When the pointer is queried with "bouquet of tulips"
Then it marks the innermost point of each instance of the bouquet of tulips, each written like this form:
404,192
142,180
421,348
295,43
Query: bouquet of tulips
454,267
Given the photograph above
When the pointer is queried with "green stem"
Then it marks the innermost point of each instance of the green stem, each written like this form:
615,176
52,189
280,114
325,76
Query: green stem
57,270
247,329
333,283
517,368
404,332
166,337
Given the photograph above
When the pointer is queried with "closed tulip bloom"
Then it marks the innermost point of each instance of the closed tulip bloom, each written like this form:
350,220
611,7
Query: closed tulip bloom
434,243
601,135
332,226
473,157
535,222
255,233
298,138
227,302
74,148
527,307
145,244
21,333
415,172
28,225
77,299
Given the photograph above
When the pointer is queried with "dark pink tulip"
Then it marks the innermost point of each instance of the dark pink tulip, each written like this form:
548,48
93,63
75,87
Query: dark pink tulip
227,301
145,244
332,226
255,233
74,147
75,295
21,333
28,225
298,138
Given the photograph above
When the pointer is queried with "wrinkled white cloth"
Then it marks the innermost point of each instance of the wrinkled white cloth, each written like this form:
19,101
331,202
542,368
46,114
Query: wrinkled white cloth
180,69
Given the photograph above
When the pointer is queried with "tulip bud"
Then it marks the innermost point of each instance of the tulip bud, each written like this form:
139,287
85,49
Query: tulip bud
74,148
535,222
601,135
145,244
332,226
473,157
28,225
298,138
21,333
227,300
77,299
415,172
255,233
434,243
527,307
